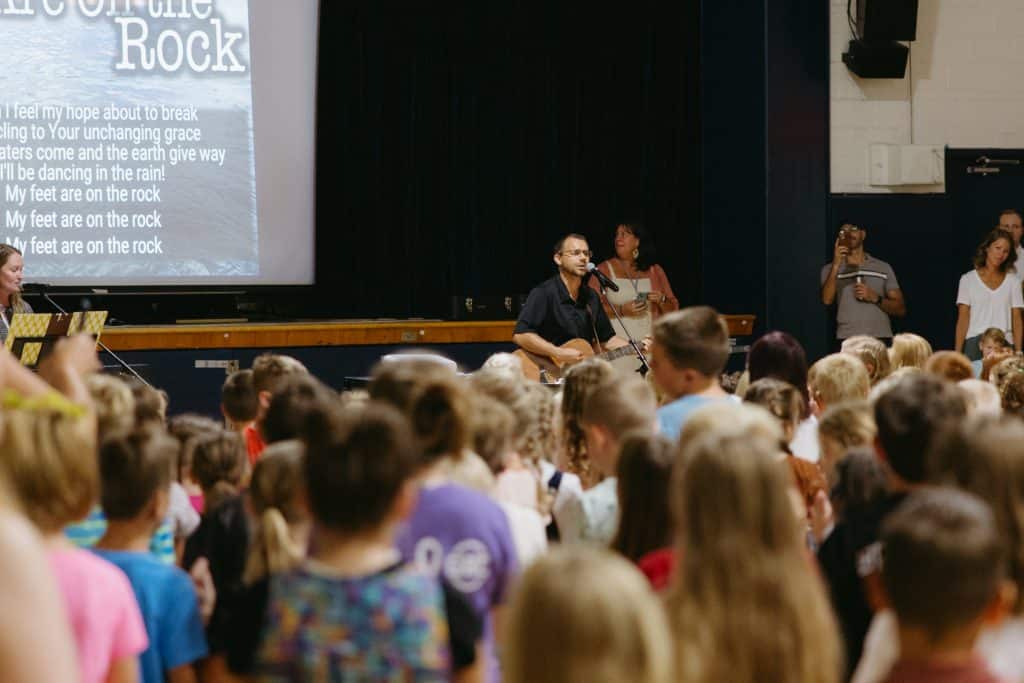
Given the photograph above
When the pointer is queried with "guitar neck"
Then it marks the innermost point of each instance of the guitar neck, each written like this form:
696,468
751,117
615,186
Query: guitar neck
620,352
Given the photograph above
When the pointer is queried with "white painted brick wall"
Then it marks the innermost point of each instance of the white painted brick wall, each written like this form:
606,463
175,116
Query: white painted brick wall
965,88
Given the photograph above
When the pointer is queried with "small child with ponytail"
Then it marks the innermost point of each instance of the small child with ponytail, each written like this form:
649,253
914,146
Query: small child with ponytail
280,528
220,466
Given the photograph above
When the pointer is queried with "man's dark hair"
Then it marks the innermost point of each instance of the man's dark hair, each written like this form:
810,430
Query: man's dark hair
238,397
133,467
943,560
571,236
290,404
696,338
357,460
909,417
1008,212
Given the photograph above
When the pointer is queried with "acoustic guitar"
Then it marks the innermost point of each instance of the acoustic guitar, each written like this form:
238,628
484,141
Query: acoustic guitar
535,364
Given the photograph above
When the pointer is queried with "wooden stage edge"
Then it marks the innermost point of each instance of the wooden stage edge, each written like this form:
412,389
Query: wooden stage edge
328,333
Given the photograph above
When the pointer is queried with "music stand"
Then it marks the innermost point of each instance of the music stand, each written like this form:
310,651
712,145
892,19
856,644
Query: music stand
32,336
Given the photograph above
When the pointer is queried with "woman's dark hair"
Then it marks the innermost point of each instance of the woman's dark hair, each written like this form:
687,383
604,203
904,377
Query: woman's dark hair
644,473
648,253
998,234
780,356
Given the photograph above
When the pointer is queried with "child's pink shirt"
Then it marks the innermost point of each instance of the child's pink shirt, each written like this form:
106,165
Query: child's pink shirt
101,605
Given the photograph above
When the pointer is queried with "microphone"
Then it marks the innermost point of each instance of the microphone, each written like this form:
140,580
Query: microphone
602,278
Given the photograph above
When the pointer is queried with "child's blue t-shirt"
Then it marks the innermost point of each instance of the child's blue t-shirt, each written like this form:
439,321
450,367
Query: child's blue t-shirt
170,610
672,416
89,531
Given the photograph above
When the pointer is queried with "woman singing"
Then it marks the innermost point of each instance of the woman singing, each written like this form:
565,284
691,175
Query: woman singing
11,265
644,293
989,295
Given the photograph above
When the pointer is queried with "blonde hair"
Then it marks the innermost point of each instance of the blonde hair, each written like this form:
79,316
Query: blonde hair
114,404
909,351
274,492
836,378
585,614
17,303
745,604
620,405
50,460
982,397
579,381
850,424
872,353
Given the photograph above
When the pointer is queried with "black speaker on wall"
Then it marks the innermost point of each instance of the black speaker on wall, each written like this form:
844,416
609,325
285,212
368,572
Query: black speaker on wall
879,20
881,59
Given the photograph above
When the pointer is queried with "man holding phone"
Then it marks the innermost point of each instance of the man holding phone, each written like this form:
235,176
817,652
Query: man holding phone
864,287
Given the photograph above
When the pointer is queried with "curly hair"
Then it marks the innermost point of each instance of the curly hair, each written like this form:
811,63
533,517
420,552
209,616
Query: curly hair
579,381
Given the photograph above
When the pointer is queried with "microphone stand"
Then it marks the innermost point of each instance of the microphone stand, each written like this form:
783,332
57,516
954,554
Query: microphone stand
46,296
629,337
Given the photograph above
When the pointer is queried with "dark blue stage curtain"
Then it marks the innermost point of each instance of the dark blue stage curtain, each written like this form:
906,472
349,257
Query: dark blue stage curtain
457,139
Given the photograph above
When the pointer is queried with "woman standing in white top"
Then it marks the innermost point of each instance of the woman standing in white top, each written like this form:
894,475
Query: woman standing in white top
989,295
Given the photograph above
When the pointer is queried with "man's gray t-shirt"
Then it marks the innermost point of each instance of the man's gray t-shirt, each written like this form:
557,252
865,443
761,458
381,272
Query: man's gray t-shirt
860,317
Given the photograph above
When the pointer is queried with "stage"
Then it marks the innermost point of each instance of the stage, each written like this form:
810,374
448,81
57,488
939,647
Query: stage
190,361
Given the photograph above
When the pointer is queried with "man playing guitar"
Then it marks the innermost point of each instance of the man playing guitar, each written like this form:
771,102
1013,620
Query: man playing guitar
561,309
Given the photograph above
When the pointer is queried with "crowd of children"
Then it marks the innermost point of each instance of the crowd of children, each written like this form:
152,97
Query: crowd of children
856,518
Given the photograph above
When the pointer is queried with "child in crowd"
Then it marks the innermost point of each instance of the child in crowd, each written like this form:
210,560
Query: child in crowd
1011,395
238,401
611,409
578,383
842,427
1004,369
645,533
268,373
454,532
984,457
981,396
933,536
909,417
510,484
836,378
115,408
354,610
689,352
993,341
779,356
187,428
135,473
220,466
291,403
949,365
281,529
859,483
583,614
785,404
909,351
51,464
872,353
745,604
150,404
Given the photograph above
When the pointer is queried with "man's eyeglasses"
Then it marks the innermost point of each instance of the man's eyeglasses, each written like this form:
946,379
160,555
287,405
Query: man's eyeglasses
579,252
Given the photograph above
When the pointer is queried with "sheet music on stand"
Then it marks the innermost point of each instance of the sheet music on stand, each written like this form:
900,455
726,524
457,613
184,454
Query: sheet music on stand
32,336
